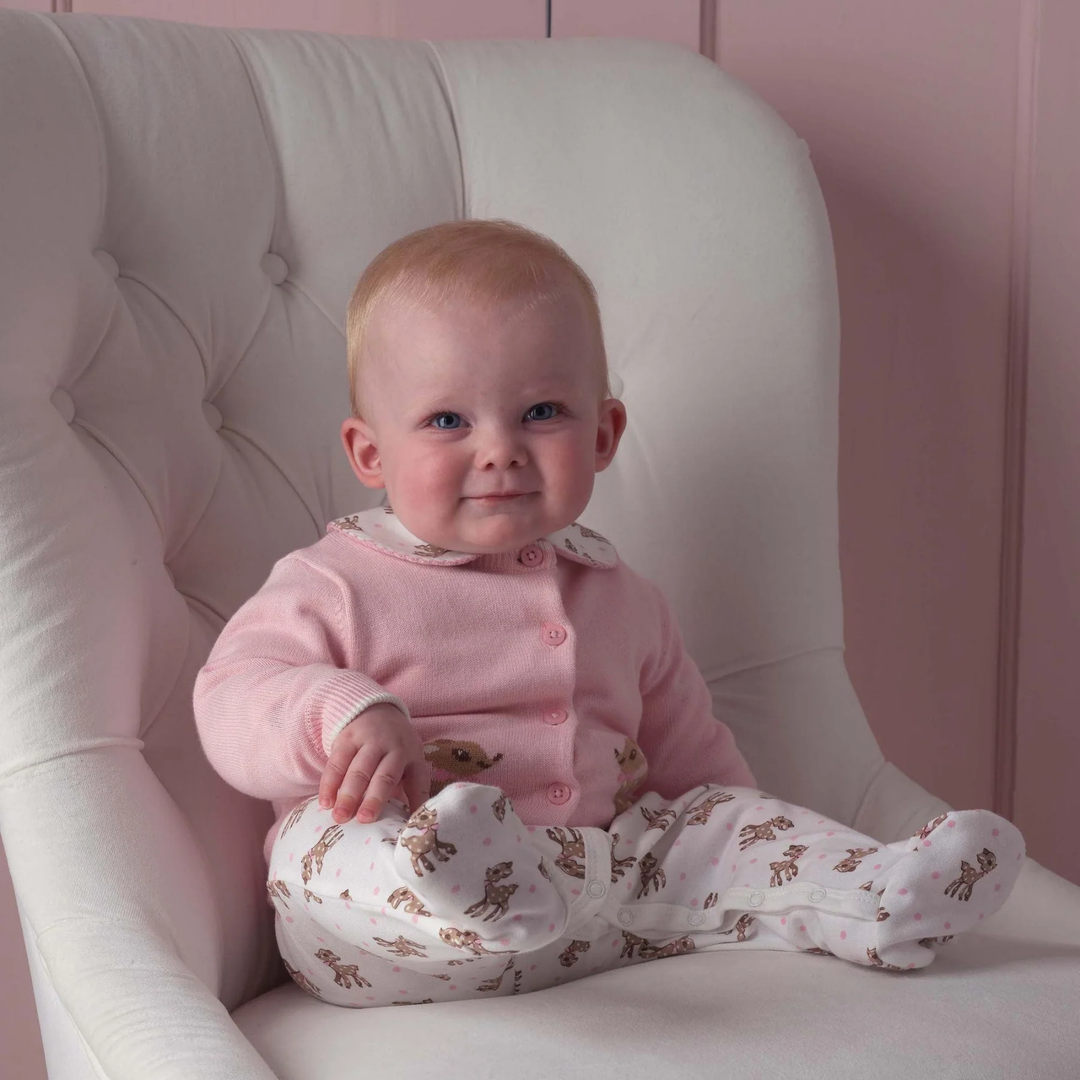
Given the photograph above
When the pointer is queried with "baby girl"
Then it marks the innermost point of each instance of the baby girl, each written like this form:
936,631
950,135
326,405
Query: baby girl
494,764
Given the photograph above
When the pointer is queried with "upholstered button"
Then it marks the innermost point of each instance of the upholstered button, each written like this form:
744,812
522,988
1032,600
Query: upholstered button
212,414
274,267
109,264
757,899
558,794
596,889
625,917
552,634
531,555
696,919
555,716
62,403
817,895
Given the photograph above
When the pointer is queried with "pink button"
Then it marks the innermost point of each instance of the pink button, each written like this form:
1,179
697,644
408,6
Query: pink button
558,794
552,634
531,555
555,716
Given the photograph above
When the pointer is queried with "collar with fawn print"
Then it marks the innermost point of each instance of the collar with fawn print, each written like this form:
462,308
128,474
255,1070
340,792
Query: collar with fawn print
380,527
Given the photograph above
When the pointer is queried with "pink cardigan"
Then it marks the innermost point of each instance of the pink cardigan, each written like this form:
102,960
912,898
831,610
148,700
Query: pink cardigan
554,672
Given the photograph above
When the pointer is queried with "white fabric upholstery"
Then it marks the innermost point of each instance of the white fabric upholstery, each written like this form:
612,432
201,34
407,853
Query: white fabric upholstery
183,212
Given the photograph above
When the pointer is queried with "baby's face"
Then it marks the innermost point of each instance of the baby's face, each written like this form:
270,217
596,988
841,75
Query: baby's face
470,400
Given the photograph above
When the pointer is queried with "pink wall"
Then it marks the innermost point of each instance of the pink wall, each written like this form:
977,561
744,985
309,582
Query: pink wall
956,241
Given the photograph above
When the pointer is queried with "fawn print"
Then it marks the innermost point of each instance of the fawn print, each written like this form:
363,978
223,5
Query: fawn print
496,896
751,834
328,839
962,886
788,869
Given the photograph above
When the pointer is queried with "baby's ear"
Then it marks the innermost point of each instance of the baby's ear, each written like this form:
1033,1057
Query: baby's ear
358,439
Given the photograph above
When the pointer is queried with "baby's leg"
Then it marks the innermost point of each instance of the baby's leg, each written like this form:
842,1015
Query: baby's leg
435,907
736,868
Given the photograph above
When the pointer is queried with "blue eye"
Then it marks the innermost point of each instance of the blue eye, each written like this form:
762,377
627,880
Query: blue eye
556,406
438,416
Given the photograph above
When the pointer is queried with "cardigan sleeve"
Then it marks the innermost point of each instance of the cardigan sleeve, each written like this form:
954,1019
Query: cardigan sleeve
275,689
683,743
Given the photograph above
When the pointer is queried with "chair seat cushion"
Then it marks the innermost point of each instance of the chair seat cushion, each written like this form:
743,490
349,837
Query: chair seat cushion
991,1005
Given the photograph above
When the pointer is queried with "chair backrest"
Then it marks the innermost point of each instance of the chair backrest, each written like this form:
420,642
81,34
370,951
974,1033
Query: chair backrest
183,213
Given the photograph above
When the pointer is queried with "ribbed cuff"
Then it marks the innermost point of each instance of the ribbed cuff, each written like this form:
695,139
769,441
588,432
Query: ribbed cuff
346,699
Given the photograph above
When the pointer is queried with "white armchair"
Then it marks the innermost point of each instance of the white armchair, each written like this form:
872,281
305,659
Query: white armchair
183,212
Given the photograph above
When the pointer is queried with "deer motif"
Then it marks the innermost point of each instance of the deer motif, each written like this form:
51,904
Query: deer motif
413,904
295,815
632,771
962,886
872,956
573,848
854,859
630,943
422,1001
569,956
926,830
328,839
741,927
619,866
496,896
788,869
751,834
279,889
467,939
710,900
658,819
681,945
699,814
426,841
402,946
343,973
494,984
498,808
302,980
652,876
310,897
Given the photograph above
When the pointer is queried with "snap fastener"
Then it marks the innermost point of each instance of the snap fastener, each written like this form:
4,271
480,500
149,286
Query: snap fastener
596,889
817,895
274,267
558,794
108,263
625,917
757,899
552,634
212,414
696,919
62,403
531,555
555,716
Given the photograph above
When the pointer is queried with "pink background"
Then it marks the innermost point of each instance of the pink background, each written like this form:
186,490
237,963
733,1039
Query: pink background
958,251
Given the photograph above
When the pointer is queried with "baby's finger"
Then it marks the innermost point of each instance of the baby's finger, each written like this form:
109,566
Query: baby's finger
381,787
416,780
357,777
341,754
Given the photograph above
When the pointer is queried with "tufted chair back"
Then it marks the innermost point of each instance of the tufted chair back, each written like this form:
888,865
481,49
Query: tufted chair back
183,213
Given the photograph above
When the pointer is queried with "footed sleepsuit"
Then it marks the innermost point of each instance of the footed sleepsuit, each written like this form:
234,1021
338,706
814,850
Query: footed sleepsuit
586,811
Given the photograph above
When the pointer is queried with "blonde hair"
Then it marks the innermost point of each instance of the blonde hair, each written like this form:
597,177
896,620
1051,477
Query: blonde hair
485,260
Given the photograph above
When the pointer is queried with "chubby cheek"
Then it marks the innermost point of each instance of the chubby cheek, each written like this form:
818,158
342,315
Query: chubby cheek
568,469
427,480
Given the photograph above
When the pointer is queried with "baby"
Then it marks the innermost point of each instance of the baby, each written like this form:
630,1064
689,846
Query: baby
472,650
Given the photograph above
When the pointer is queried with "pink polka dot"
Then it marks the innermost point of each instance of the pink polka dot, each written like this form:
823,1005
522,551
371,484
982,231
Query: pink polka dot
877,866
396,969
517,918
375,891
803,929
402,992
370,997
902,892
682,877
830,833
532,888
935,875
715,861
910,966
348,906
615,943
821,821
323,940
995,832
677,843
948,926
918,916
551,928
519,838
1019,856
928,843
338,925
530,828
951,824
372,866
455,890
291,856
734,867
981,914
783,922
730,826
472,809
504,941
452,987
843,935
533,967
382,911
822,855
752,861
415,919
575,892
487,841
338,874
374,923
997,888
288,918
694,902
759,807
367,841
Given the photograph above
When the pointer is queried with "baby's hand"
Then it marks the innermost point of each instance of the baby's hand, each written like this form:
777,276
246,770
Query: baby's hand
378,755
